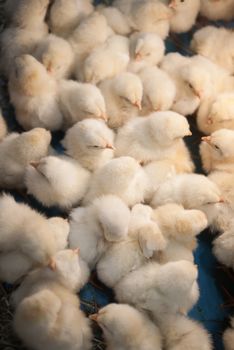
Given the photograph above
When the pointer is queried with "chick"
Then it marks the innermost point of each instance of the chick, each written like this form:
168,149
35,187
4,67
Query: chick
14,264
82,39
48,314
228,336
126,328
3,127
122,177
182,333
184,14
34,95
193,191
144,238
15,42
186,100
146,49
123,95
29,237
57,181
79,101
150,16
116,20
159,90
56,55
65,15
171,287
157,137
223,246
215,10
159,171
17,151
216,113
65,274
208,42
93,228
29,14
90,142
106,61
179,227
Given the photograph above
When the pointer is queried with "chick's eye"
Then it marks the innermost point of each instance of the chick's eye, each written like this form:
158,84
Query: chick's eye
216,147
182,0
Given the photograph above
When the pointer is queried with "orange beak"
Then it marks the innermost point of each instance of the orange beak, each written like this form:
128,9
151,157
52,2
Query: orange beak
104,117
222,200
52,265
209,121
94,317
206,139
189,133
34,164
138,105
138,57
172,5
110,146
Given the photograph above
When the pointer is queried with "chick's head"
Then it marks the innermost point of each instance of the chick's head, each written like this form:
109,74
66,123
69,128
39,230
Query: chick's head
220,144
167,127
91,102
113,216
129,89
65,266
189,223
222,112
148,47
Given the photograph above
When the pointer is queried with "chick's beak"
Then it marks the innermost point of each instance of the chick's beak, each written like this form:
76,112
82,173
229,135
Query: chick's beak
108,145
172,5
222,200
189,133
138,105
94,317
76,251
52,265
34,164
209,121
138,57
104,117
206,139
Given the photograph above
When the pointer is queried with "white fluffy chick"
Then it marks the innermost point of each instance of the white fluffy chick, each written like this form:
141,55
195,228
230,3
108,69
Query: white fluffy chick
64,273
15,42
116,20
90,142
79,101
106,61
184,14
82,39
29,234
122,177
126,328
28,14
14,264
95,227
3,127
157,137
216,151
217,9
56,55
48,312
193,191
34,95
208,42
180,227
123,95
57,181
186,100
47,321
65,15
223,246
150,16
159,90
228,336
17,151
146,49
171,287
216,113
182,333
144,239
